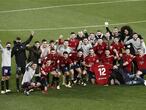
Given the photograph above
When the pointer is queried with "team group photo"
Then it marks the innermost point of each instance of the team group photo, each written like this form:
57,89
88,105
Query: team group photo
65,54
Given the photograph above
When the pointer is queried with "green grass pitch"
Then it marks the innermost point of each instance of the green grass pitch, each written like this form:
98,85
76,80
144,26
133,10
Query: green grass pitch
19,17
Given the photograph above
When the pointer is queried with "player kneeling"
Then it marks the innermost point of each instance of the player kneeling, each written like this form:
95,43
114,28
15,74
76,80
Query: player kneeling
27,83
47,68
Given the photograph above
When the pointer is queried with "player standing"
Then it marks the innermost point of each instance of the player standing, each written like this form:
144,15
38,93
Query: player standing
6,67
20,57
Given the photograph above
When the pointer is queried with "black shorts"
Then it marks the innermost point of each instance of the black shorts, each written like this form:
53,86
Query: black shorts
6,71
65,69
26,85
44,80
20,70
91,74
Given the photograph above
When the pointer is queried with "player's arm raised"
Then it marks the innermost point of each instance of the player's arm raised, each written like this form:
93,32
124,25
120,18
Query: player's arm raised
29,39
1,47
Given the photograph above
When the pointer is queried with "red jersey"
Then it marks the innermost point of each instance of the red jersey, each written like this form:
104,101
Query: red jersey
65,62
102,73
118,47
108,59
90,60
141,62
129,59
75,58
54,58
47,69
100,49
73,43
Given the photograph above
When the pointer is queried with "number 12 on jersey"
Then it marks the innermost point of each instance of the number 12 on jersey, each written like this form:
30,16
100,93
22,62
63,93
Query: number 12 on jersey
102,71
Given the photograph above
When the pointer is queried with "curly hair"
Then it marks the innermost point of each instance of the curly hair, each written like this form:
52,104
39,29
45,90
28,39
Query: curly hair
126,27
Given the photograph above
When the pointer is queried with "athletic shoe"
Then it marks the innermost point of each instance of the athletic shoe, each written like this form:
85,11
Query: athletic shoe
75,81
26,93
8,90
58,87
84,84
31,90
145,82
3,92
68,86
106,85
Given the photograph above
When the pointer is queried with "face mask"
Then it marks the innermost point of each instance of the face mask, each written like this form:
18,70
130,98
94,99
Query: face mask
18,43
99,35
8,48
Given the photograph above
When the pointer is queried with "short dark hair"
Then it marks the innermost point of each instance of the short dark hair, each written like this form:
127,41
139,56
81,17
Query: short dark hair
98,30
44,40
65,52
36,42
52,41
66,40
8,43
80,50
72,33
18,38
117,37
91,49
52,49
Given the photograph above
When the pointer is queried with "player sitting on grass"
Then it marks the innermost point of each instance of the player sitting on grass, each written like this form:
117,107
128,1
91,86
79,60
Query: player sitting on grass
122,77
123,74
102,72
27,83
6,67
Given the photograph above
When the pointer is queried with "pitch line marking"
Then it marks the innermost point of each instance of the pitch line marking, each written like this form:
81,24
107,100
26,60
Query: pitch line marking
70,5
68,28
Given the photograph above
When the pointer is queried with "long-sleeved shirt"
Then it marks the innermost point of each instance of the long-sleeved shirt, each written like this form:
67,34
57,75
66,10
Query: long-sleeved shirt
85,48
135,43
28,75
19,51
6,56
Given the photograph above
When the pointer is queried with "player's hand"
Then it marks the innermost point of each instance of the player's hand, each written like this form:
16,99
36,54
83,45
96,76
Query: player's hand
27,45
115,67
61,36
68,38
106,24
120,55
80,42
32,33
139,73
84,30
56,41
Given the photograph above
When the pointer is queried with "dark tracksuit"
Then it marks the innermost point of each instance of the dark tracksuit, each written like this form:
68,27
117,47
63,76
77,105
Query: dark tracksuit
20,57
